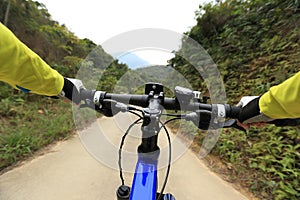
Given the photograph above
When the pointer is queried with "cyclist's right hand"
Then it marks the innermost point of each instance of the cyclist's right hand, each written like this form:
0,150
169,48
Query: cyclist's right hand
250,112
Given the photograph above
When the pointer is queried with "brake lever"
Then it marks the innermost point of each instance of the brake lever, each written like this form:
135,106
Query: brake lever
88,104
233,123
206,118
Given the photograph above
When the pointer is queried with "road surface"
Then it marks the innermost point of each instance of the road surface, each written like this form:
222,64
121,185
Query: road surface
68,172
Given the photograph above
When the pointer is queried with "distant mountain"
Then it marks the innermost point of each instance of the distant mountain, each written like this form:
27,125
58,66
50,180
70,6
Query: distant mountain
133,81
131,60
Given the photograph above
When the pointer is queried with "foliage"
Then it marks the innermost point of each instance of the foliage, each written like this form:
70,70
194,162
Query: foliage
111,76
26,126
29,122
267,160
32,24
255,45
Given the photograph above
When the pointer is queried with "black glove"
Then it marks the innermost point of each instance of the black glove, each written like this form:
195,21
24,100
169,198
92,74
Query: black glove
203,120
250,112
71,89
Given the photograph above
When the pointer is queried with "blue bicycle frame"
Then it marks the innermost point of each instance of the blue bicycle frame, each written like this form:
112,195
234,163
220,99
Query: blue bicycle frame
144,184
145,178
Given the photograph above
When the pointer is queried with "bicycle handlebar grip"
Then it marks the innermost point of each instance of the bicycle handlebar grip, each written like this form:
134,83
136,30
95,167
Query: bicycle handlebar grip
232,111
87,94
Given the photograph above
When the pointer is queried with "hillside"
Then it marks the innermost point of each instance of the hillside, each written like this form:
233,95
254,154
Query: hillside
29,122
255,44
33,25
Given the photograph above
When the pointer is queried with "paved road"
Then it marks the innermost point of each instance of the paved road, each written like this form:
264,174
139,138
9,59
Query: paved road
69,172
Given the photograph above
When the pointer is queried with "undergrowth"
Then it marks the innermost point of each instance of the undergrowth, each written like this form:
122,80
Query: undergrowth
30,122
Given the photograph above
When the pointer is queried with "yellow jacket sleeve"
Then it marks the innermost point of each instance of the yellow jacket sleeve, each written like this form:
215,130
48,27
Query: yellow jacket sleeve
22,68
282,101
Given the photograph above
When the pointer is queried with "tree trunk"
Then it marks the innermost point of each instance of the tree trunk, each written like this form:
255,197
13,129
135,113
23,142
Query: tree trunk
7,13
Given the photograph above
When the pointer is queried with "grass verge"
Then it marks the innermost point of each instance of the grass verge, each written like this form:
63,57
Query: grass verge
265,161
30,123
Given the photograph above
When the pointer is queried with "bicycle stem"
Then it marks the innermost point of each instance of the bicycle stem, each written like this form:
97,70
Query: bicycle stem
150,127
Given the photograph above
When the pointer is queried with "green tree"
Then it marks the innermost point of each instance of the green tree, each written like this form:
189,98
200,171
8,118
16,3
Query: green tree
255,45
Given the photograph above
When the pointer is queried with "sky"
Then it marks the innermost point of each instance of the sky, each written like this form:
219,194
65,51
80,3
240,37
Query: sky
101,20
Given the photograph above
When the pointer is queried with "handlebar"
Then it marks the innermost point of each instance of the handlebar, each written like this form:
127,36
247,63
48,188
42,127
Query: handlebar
204,116
185,100
97,97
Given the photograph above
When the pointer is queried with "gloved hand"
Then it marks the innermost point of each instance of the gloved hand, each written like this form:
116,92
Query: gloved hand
250,112
71,89
203,120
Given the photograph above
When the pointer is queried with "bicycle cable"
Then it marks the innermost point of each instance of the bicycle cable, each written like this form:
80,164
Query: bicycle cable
175,115
163,125
170,153
122,144
169,161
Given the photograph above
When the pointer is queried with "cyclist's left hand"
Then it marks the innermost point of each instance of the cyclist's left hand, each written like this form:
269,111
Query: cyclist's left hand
71,89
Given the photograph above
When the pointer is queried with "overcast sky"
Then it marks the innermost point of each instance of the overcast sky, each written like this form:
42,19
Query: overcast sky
101,20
